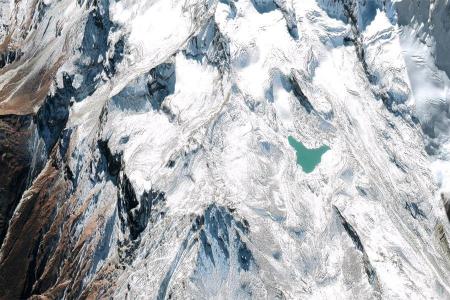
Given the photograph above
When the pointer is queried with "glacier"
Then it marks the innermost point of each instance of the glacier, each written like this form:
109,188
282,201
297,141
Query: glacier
145,154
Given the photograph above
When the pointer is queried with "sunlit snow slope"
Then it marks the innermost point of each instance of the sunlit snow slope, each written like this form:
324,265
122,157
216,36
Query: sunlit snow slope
145,154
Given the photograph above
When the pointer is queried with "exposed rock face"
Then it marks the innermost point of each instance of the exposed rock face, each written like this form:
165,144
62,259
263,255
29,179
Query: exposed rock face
15,161
144,149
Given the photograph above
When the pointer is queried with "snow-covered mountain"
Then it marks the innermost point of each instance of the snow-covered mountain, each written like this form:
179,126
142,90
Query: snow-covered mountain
157,149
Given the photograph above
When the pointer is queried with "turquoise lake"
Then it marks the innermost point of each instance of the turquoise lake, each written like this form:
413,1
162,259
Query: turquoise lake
308,159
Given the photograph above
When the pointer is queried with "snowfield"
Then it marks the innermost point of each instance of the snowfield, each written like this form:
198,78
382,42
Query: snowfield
155,158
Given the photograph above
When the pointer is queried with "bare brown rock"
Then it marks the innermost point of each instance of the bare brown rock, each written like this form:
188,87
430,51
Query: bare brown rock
15,132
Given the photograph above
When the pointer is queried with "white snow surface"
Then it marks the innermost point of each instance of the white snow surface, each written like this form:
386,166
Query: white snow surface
367,223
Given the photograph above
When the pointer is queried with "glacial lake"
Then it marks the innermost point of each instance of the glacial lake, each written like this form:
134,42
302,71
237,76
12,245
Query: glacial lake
308,159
